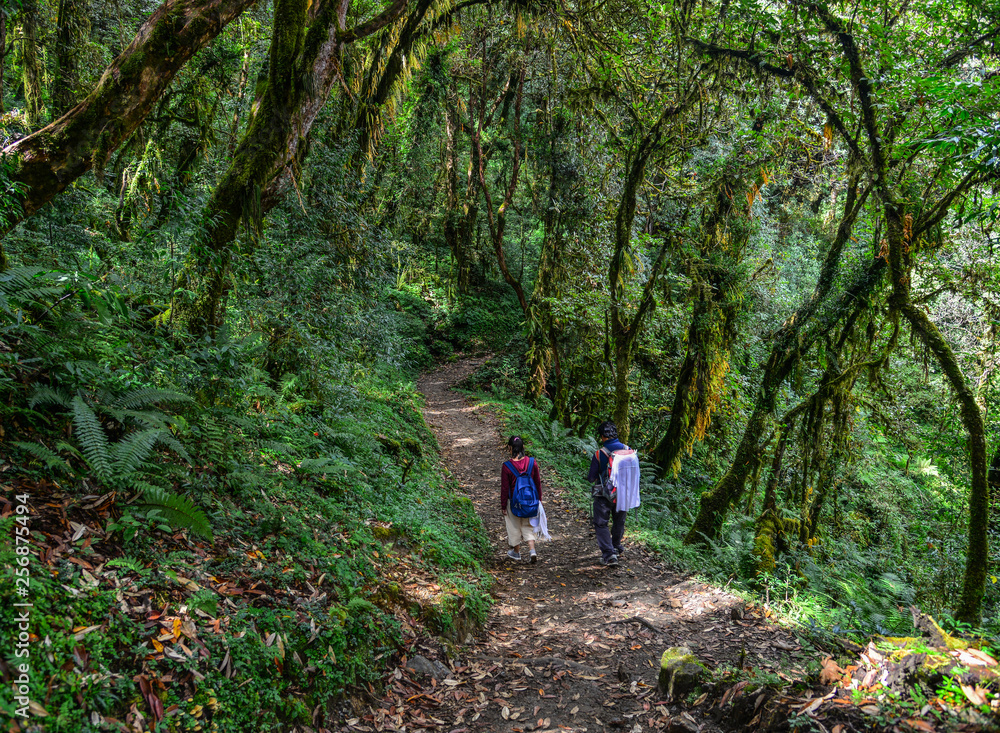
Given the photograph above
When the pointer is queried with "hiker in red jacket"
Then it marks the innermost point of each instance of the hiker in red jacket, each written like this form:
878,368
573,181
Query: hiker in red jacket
519,529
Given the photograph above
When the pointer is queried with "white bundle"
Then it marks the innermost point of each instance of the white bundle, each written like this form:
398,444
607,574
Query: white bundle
540,524
625,476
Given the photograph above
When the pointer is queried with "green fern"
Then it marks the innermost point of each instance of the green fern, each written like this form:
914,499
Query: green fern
46,455
129,563
168,440
279,448
147,396
49,396
92,439
132,451
20,286
212,439
323,465
147,418
177,510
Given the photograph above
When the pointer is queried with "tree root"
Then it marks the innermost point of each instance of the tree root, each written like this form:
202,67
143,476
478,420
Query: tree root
637,620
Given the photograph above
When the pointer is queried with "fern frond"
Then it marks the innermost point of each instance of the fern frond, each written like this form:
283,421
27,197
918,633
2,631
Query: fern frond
132,451
211,439
146,396
179,511
129,563
323,465
47,456
92,439
49,396
62,445
13,282
149,418
167,440
280,448
136,483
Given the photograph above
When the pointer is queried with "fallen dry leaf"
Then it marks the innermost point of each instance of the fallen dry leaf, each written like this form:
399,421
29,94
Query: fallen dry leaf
832,673
976,695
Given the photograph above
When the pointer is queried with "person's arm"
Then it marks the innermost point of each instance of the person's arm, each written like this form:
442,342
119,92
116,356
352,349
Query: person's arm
595,469
537,478
506,479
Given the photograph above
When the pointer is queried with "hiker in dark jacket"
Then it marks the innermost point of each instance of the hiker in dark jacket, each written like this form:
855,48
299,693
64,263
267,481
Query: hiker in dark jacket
605,510
519,529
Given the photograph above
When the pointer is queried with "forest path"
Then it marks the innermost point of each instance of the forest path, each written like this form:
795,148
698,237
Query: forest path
569,644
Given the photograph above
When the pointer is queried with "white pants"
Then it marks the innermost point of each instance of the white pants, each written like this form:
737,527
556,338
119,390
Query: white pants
518,529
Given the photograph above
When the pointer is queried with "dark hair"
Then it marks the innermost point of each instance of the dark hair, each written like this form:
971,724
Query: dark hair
607,429
516,446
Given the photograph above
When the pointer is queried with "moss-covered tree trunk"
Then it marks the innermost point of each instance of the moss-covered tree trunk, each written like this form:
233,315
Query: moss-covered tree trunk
452,215
814,318
974,581
769,535
304,63
624,329
497,220
237,197
31,67
3,58
903,231
72,31
700,378
541,348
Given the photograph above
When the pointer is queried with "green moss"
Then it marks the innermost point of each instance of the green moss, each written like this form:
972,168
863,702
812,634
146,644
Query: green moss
680,672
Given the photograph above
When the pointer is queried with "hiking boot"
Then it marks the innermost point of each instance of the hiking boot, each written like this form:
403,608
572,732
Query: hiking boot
620,551
533,557
513,554
610,561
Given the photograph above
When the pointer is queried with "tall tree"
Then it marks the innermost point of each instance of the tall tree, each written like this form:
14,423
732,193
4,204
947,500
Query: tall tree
305,61
890,152
72,31
31,66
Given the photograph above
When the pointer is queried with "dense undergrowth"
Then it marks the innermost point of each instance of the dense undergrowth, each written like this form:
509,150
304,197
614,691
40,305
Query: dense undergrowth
228,534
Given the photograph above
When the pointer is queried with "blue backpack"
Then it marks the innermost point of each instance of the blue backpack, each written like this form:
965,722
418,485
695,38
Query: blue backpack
524,497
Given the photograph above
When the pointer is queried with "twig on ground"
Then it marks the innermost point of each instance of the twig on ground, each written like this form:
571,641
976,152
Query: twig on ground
638,620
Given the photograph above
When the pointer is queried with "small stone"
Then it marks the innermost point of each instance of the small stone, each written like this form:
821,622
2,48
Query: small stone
424,666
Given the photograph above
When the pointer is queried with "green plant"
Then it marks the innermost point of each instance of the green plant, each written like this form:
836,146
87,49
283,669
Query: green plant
178,511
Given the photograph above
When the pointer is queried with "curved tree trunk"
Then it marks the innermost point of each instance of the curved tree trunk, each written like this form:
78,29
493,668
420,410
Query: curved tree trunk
625,331
699,381
51,159
974,582
811,320
902,230
769,535
3,62
304,64
257,160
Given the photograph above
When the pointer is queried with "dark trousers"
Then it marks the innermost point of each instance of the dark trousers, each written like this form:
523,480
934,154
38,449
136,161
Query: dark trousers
608,541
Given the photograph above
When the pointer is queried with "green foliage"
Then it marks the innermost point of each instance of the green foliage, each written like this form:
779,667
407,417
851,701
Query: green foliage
178,511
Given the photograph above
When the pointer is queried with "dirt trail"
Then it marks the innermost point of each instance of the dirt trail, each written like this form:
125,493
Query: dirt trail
570,644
